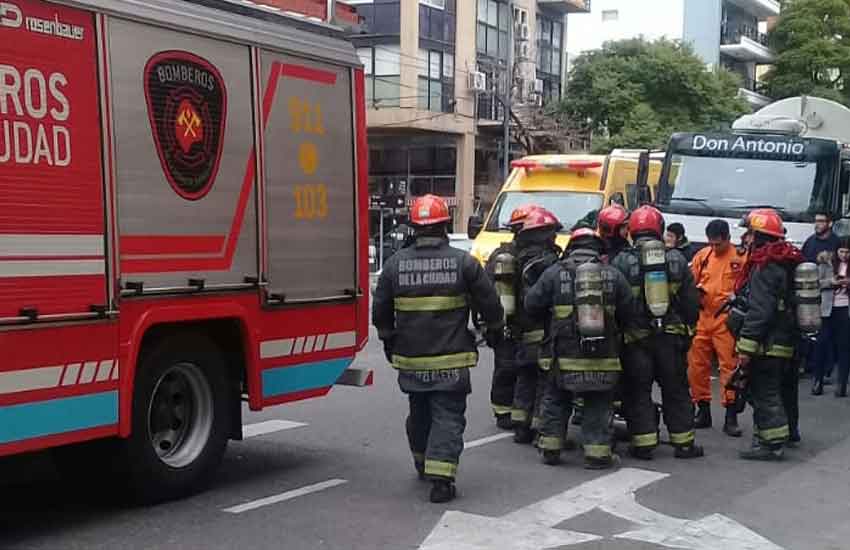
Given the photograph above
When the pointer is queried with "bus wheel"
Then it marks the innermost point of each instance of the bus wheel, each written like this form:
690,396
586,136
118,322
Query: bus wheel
181,418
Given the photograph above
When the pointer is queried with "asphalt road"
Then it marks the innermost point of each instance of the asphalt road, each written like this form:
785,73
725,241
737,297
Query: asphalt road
344,480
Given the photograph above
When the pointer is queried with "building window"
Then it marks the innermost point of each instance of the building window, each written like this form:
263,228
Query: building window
610,15
550,42
492,30
441,4
380,16
382,66
436,81
437,24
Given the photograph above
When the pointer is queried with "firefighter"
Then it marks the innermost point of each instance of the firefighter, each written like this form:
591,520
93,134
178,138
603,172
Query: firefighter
612,224
501,268
587,303
715,269
766,330
536,251
657,337
421,309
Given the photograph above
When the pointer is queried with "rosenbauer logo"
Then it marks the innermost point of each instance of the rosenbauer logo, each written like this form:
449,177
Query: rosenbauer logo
187,107
11,16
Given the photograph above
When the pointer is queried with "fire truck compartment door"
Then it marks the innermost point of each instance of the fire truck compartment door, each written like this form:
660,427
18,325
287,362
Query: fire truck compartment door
309,178
184,141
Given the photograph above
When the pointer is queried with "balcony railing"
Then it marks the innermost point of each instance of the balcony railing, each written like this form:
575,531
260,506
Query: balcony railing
733,35
566,6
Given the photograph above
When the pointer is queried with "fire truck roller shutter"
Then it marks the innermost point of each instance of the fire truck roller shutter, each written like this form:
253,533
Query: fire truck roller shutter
183,119
52,232
310,183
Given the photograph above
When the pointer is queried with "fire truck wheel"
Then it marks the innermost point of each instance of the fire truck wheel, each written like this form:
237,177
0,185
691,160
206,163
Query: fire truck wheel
181,418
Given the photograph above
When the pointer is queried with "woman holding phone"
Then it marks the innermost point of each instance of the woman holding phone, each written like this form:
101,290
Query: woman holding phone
836,328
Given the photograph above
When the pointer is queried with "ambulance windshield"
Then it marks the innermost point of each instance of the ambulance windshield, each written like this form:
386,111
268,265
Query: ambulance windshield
568,207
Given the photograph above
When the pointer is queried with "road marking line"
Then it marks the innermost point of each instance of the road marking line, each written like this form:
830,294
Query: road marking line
485,440
283,497
267,427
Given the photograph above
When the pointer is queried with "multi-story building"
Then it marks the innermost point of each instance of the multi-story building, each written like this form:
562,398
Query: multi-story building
725,33
430,131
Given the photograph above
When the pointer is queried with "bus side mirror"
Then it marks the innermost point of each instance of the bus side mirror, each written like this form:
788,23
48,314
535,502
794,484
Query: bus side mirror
474,226
644,195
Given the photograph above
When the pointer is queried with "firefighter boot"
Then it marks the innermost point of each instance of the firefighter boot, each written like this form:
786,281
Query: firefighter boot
503,421
730,426
442,491
523,434
641,453
702,419
690,450
763,453
601,463
551,457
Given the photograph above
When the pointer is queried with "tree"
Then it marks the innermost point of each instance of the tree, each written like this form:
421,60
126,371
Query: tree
812,44
634,93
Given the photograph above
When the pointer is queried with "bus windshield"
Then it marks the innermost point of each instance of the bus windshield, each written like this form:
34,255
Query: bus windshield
720,185
568,207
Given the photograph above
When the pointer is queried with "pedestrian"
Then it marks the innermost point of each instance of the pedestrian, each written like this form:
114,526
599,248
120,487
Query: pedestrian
421,309
657,337
823,239
503,272
536,252
835,331
766,331
675,238
820,248
715,269
587,303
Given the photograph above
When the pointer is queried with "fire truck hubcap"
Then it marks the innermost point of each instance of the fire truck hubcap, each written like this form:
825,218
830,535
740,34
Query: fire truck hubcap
180,415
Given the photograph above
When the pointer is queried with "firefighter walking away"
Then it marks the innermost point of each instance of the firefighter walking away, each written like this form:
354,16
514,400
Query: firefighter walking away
421,309
536,252
657,337
587,303
502,269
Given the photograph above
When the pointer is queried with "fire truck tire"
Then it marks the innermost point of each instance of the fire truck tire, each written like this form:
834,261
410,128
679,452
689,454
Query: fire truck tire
181,419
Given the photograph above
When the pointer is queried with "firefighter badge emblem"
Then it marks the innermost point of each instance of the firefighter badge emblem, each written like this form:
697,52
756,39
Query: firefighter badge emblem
187,108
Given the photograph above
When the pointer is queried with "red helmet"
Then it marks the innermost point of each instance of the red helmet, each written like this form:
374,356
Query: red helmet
610,220
538,217
582,234
429,210
519,215
766,221
646,219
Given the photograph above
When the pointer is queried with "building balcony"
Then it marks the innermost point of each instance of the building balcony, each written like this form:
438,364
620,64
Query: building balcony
564,7
760,8
746,44
751,91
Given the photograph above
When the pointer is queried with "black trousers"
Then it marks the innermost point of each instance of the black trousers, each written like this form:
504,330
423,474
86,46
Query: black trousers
525,393
660,358
435,429
504,378
555,410
769,416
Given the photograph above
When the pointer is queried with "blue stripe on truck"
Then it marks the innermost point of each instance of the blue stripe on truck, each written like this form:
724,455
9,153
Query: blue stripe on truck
66,414
303,377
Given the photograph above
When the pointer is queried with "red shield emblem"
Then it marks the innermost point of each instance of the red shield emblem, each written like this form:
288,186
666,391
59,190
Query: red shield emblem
187,108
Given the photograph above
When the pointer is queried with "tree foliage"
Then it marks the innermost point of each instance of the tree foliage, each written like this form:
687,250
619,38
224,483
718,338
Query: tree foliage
635,93
812,43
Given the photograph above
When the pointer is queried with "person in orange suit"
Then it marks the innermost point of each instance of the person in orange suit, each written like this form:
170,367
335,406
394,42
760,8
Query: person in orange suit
715,268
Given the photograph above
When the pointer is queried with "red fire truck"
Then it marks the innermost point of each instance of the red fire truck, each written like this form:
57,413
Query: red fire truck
183,227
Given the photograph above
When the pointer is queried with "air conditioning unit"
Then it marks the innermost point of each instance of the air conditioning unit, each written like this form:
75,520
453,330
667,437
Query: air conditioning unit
477,81
538,86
